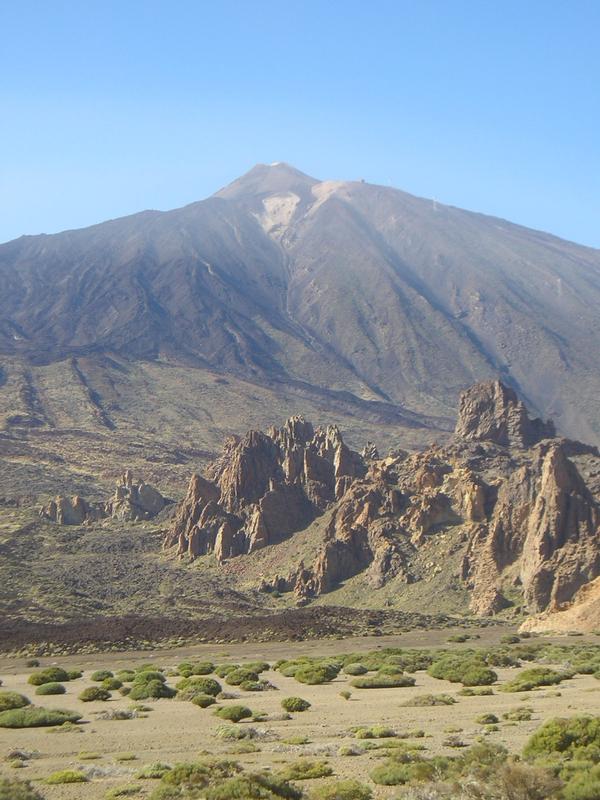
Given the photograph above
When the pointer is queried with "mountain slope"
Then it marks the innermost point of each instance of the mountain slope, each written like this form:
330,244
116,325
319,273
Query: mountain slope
316,287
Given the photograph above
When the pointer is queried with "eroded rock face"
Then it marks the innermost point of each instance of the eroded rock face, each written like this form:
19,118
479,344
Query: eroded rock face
506,496
492,412
130,501
262,488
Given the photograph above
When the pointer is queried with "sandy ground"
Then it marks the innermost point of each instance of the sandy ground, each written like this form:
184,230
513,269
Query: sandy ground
179,731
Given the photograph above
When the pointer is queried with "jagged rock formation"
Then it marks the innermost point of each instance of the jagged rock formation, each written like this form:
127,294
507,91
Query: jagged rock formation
131,501
490,411
505,493
263,488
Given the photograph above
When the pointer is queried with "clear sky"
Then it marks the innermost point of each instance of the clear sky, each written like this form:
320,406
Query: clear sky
107,108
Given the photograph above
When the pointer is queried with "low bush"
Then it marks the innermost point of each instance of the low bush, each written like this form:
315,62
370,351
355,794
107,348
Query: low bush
462,668
111,684
315,675
203,700
305,770
201,668
295,704
36,717
253,785
74,674
222,670
101,675
32,663
533,678
233,713
566,737
233,732
51,688
152,689
48,675
355,669
476,691
17,790
345,694
342,790
66,776
240,675
521,714
382,681
429,700
486,719
125,675
375,732
510,638
130,790
204,685
10,700
153,771
93,693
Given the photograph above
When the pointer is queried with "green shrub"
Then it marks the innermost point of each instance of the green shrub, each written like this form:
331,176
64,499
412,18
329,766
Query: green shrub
153,771
154,689
305,770
345,694
342,790
101,675
66,776
123,791
222,670
51,688
204,685
510,638
125,675
48,675
532,678
486,719
254,686
32,663
355,669
111,684
186,669
253,785
10,700
476,691
583,785
375,732
17,790
203,700
521,714
295,704
233,713
382,681
462,668
74,674
429,700
93,693
36,717
312,676
237,676
565,737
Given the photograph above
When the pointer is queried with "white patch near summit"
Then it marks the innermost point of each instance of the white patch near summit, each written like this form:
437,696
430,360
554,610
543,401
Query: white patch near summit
278,210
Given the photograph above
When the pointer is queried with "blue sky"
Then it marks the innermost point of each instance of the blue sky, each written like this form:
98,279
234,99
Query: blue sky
107,108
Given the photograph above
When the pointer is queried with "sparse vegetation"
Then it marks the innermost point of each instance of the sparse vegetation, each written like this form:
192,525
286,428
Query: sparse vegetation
94,693
48,675
36,717
50,688
234,713
18,790
382,681
66,776
10,700
305,770
295,704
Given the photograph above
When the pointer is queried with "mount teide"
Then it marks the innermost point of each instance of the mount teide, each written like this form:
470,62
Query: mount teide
355,299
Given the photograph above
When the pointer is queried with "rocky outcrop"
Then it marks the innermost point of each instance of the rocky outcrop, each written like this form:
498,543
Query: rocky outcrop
131,501
262,488
505,494
492,412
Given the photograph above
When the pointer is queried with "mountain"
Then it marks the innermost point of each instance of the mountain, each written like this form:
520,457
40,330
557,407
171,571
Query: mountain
282,294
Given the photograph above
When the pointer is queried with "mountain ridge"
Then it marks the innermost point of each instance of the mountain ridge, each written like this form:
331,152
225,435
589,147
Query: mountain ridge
336,286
